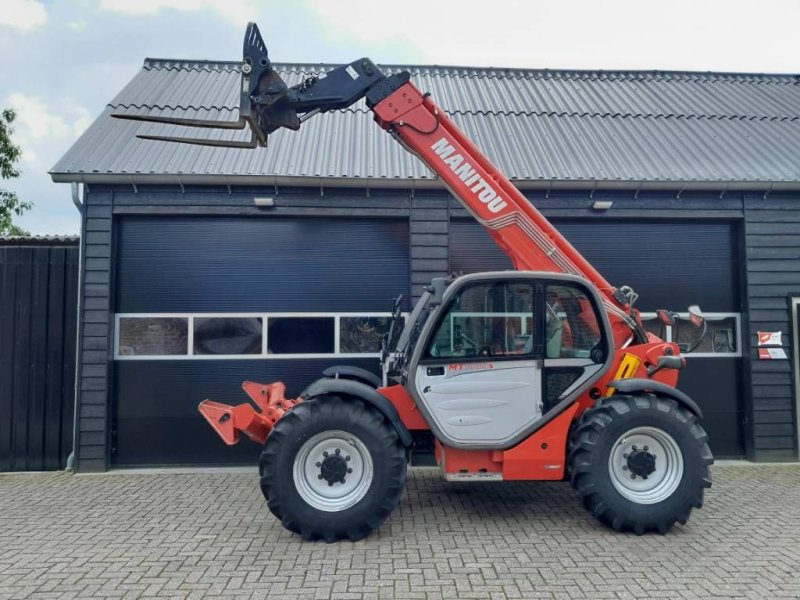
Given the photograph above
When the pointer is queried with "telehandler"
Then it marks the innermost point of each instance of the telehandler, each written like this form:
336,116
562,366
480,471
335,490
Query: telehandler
544,372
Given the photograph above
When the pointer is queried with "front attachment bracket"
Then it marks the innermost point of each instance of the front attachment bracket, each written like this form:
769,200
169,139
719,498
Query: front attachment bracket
229,421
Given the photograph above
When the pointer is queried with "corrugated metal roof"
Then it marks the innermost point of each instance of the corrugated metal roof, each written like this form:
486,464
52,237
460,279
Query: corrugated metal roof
540,127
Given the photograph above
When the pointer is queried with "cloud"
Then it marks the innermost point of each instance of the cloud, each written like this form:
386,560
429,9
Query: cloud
717,35
34,121
23,15
237,12
39,122
77,25
44,130
37,127
90,49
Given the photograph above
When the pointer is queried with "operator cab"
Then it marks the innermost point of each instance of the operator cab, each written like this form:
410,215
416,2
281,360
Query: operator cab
490,357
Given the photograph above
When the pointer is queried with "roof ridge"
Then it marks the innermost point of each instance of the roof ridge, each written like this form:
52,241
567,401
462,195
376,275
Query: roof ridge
711,77
179,64
496,72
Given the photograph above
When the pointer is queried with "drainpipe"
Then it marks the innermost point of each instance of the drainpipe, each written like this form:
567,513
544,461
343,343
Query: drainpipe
76,199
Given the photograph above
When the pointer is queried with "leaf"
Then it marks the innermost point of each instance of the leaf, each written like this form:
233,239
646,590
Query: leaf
10,153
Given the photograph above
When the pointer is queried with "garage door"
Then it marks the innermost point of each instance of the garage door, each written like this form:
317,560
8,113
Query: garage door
671,264
204,303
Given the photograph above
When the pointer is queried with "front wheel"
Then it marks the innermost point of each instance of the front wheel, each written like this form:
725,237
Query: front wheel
640,463
332,469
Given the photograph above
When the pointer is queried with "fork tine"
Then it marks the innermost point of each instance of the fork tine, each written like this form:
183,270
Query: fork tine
203,123
252,143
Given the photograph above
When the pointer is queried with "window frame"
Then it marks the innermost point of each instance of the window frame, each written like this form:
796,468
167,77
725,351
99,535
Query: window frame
191,346
709,316
265,316
536,350
118,336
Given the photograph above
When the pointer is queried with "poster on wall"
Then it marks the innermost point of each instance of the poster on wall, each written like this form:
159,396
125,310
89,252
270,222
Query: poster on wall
772,354
769,338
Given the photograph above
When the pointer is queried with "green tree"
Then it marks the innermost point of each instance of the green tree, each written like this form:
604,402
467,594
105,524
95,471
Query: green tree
10,203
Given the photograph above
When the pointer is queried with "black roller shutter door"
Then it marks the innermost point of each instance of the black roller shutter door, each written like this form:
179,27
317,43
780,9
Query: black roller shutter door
650,256
249,264
203,264
671,264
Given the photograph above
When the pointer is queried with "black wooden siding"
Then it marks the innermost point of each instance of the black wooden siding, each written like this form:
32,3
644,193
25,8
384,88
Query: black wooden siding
38,305
772,237
771,225
95,332
428,232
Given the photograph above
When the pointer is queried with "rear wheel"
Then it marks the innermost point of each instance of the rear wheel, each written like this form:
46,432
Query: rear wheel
640,463
333,469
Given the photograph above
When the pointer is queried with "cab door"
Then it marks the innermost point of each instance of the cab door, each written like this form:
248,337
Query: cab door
480,376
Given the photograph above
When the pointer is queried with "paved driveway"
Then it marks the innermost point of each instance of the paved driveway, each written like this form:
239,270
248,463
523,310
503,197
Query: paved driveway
203,534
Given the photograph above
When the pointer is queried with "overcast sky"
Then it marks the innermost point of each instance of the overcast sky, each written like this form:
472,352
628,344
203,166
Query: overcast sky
62,61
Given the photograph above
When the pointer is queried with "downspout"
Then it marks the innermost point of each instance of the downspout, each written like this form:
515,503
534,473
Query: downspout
76,200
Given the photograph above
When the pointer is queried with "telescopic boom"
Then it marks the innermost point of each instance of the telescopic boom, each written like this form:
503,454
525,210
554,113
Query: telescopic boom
413,119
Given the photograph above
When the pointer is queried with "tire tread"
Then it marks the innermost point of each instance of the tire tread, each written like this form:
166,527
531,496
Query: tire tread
584,468
290,426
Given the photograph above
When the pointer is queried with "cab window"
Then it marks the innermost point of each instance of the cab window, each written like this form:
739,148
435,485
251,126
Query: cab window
491,319
571,326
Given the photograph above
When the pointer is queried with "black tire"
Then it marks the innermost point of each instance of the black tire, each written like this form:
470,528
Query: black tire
596,437
301,424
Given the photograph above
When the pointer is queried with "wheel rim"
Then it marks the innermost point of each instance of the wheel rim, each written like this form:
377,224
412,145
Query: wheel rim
327,459
646,465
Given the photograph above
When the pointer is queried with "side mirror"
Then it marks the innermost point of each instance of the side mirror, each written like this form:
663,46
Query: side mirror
666,362
696,315
666,317
436,289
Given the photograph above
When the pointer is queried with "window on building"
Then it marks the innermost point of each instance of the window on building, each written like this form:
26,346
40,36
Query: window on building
227,335
653,324
362,334
301,335
265,335
722,336
153,336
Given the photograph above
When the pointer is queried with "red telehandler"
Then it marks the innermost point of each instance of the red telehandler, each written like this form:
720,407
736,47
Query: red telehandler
541,373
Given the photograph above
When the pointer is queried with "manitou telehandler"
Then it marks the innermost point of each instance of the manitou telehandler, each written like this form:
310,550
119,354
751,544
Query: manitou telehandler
541,373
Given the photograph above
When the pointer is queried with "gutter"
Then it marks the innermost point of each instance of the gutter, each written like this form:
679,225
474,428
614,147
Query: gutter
76,199
431,182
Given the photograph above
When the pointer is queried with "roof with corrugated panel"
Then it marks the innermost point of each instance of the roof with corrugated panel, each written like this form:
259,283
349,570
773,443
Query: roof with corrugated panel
541,127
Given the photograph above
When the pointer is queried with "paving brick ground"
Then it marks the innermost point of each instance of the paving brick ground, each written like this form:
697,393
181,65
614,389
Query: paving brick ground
209,535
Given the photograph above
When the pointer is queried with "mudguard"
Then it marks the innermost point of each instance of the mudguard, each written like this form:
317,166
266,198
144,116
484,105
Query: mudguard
364,392
354,373
631,386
